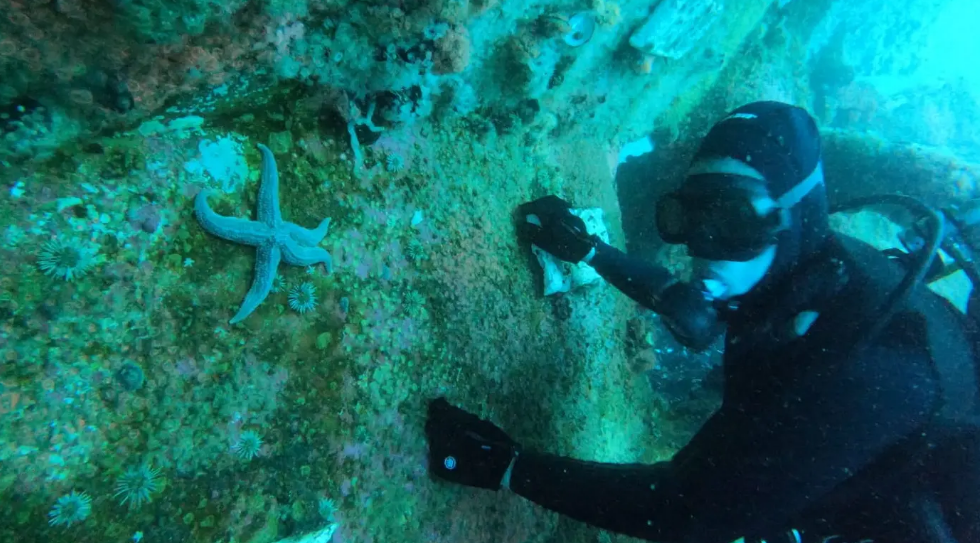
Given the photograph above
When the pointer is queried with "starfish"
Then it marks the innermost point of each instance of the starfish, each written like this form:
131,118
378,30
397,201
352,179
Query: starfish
273,238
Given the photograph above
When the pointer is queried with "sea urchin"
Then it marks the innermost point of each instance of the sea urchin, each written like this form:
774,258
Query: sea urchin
66,259
70,508
137,485
249,445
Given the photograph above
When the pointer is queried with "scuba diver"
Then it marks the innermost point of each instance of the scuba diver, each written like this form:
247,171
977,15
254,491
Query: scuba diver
851,390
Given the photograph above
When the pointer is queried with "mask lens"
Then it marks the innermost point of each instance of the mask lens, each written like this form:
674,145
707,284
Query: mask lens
730,228
716,216
671,219
735,222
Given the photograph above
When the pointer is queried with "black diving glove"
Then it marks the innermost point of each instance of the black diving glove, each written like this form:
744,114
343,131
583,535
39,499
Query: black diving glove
691,318
549,223
466,449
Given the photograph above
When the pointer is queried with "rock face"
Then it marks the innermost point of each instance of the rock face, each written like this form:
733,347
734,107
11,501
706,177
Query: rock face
676,27
866,164
418,127
69,70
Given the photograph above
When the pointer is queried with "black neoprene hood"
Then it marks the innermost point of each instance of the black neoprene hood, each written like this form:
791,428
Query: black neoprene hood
781,142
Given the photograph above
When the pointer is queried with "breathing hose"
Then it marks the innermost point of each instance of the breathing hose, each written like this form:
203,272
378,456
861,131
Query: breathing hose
920,267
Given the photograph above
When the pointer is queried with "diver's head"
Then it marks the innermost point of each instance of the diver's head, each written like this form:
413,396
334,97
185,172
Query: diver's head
753,203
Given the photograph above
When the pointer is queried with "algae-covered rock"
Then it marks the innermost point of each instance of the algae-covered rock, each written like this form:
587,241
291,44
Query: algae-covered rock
860,164
675,26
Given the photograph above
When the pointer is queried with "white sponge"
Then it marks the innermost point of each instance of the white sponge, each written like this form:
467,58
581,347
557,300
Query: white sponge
562,276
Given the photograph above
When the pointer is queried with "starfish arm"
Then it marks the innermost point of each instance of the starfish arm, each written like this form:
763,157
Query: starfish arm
266,263
230,228
301,255
269,211
306,236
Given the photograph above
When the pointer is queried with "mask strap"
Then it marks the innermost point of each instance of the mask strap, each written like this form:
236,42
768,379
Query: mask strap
793,196
725,166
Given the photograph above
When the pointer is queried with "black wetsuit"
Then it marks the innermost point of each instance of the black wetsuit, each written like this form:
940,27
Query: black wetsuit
876,442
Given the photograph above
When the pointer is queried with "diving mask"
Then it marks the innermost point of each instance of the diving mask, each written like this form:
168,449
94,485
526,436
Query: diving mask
718,216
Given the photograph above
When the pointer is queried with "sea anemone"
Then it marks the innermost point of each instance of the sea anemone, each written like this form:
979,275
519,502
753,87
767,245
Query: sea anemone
70,508
415,250
66,259
137,486
302,297
394,163
248,446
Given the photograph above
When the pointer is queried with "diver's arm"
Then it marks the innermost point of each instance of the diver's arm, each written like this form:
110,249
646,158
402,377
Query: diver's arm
640,280
751,468
617,497
688,314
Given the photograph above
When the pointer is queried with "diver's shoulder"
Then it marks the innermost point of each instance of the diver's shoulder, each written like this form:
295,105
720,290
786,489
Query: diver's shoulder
864,263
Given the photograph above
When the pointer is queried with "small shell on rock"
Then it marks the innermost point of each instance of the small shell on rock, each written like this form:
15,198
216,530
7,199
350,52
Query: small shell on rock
581,28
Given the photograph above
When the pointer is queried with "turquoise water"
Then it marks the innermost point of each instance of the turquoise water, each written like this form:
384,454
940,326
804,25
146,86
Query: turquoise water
133,409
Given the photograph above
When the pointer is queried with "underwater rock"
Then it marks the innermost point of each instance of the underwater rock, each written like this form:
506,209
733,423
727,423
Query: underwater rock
452,54
676,26
858,164
130,376
562,308
146,218
223,160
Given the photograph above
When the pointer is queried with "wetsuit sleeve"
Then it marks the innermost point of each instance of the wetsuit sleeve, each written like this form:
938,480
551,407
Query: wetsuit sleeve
640,280
755,465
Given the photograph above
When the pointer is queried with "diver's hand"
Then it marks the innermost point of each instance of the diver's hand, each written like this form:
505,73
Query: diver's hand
691,318
549,223
466,449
